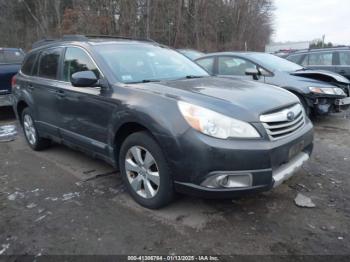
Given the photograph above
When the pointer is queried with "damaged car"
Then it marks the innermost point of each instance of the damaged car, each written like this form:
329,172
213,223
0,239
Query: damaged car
320,92
159,118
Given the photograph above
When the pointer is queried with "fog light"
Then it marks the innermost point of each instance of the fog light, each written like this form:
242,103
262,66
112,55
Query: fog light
229,180
224,181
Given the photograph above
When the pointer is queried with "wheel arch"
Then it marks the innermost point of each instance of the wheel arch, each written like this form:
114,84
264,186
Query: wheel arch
21,105
125,130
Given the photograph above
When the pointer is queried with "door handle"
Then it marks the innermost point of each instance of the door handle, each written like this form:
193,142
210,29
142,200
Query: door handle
60,93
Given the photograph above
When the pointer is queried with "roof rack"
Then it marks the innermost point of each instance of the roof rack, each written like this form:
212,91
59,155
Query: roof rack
321,49
85,38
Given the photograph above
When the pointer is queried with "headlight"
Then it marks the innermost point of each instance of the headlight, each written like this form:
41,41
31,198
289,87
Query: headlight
327,90
214,124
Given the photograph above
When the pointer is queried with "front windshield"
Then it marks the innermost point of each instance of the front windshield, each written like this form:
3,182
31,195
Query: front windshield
275,63
136,63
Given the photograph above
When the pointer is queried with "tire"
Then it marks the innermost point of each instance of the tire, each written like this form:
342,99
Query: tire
31,134
140,160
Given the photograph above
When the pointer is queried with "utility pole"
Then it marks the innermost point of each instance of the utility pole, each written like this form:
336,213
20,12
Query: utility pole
148,20
323,38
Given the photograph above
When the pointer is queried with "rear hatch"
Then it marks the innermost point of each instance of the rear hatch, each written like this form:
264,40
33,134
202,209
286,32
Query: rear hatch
10,63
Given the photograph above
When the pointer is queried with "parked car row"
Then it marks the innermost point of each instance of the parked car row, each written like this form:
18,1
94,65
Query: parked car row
331,59
10,63
320,92
168,124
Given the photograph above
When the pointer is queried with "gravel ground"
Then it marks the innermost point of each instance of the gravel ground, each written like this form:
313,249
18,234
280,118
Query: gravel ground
60,201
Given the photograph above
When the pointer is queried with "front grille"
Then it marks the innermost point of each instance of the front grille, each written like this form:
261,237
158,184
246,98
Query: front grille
283,123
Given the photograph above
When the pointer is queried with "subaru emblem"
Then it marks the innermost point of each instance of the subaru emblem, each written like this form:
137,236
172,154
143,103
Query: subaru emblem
290,116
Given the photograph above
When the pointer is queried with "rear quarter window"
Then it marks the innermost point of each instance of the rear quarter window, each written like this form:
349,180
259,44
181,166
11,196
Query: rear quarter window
28,64
207,64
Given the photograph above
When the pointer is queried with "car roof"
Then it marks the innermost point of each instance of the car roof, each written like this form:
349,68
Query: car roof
231,53
10,49
327,49
91,40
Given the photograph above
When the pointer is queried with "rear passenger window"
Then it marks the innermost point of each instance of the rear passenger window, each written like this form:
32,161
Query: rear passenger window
27,67
294,58
344,58
49,60
77,60
207,64
324,58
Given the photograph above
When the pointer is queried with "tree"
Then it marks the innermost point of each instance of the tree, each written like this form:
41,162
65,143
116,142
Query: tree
210,25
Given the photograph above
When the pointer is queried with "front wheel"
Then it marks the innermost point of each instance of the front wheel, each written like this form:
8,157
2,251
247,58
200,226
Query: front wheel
145,171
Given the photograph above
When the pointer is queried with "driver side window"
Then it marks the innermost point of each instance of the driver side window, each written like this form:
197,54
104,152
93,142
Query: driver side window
77,60
233,66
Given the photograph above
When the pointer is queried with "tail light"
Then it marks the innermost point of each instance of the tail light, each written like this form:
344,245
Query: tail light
13,82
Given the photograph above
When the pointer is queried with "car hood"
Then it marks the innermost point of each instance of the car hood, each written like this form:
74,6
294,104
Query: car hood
295,82
244,100
322,75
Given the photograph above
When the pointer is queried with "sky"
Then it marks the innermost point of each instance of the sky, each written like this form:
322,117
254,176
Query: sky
306,20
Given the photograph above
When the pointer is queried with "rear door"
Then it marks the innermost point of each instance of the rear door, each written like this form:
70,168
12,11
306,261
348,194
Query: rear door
42,86
343,63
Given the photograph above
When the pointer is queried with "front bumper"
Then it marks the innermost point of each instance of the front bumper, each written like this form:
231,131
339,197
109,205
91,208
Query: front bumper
6,100
326,105
343,103
269,163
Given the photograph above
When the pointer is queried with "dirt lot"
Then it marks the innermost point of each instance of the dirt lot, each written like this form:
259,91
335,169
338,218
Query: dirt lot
62,202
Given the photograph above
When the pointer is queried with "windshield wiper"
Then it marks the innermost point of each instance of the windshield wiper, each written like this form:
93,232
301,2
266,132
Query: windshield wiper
144,81
301,69
193,76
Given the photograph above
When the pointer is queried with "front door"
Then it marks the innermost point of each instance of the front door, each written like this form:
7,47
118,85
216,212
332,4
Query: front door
234,66
84,111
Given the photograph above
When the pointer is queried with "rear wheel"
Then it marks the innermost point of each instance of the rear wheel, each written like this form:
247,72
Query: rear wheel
30,132
145,171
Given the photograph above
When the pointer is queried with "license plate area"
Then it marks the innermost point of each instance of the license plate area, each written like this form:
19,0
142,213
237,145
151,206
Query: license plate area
296,149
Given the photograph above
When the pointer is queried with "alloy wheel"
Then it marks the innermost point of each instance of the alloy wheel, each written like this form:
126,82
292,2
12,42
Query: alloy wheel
142,172
29,129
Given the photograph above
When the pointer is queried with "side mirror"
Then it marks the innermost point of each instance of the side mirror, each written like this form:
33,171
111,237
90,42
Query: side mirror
263,72
84,79
252,72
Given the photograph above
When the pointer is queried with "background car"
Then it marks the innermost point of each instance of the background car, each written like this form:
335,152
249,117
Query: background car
191,54
332,59
10,63
320,92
